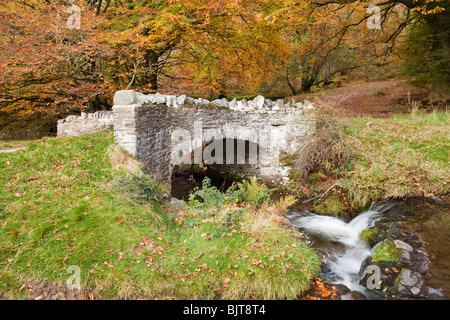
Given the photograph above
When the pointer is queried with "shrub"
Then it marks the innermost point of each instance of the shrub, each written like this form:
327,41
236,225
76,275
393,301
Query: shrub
327,151
255,193
206,196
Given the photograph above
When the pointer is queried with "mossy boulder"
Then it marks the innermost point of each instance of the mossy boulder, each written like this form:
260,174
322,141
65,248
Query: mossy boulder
331,206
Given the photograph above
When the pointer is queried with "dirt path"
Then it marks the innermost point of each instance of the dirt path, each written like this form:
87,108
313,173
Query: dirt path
375,98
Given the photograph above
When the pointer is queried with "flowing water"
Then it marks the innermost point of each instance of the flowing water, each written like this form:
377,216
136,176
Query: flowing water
347,253
337,241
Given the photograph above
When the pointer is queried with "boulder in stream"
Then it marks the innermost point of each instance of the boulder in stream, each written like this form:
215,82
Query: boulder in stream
409,283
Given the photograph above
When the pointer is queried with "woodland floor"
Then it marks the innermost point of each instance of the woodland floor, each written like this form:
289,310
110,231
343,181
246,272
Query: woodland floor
380,99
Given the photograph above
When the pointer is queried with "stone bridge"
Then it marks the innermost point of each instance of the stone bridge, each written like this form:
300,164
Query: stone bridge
168,134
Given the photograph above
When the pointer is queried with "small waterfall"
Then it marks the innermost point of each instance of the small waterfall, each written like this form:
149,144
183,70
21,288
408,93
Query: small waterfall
344,262
335,229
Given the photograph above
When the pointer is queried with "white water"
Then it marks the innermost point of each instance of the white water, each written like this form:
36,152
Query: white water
344,265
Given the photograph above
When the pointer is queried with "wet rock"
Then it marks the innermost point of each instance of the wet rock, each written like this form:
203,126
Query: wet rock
344,293
406,251
410,283
353,295
438,200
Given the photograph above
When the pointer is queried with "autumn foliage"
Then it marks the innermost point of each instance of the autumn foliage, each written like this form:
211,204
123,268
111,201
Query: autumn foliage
197,47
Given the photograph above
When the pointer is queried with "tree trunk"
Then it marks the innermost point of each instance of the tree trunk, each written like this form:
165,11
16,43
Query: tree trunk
151,62
307,83
440,25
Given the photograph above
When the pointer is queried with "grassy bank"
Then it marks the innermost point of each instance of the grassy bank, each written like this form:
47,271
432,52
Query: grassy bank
63,203
366,159
403,156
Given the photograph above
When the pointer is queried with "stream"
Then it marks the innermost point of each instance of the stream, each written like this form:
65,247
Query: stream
420,227
337,241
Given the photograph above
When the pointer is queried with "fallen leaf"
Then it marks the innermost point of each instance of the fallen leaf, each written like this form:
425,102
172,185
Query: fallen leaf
39,298
226,280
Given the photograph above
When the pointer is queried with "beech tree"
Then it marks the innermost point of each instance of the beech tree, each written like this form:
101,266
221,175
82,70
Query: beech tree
433,13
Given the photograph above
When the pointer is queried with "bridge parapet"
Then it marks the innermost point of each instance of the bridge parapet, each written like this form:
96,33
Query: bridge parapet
258,105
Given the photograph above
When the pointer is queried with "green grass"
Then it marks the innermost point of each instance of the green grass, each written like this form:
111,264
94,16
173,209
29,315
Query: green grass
386,251
369,235
62,203
403,156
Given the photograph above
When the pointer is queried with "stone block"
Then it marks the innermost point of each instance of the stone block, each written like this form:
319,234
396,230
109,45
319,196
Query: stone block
125,97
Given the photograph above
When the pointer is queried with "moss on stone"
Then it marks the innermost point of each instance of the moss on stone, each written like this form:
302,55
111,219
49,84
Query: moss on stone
331,205
386,251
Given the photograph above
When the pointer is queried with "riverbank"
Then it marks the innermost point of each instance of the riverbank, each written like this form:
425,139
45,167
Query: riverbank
360,160
70,204
368,159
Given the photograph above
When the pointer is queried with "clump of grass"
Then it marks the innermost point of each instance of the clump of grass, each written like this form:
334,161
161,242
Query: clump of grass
403,156
386,251
326,150
121,160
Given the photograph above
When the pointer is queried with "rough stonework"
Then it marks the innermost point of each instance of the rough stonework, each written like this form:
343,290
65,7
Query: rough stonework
163,132
86,123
